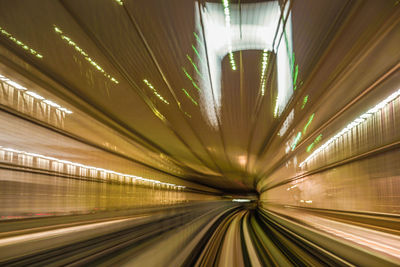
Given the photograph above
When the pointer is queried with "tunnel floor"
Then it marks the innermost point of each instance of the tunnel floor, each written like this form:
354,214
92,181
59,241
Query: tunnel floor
212,234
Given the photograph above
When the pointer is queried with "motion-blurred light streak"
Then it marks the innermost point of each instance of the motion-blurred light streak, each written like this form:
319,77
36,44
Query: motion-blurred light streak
296,141
87,167
58,232
158,114
191,79
391,250
264,64
223,37
305,100
242,200
189,96
193,64
361,119
316,141
37,96
83,53
196,52
310,119
12,83
229,33
285,63
23,90
20,44
156,93
290,188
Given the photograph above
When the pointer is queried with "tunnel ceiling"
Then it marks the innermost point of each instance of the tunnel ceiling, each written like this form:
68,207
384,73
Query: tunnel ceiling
188,88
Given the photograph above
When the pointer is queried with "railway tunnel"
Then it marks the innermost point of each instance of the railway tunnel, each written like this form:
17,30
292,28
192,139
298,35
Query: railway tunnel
199,133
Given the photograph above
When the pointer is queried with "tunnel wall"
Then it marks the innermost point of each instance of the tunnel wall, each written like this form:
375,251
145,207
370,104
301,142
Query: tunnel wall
370,185
357,171
31,194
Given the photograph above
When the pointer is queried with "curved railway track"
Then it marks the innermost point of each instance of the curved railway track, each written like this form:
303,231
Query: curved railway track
222,236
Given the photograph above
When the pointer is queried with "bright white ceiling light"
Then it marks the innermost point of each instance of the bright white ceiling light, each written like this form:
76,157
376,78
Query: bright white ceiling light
351,125
241,200
224,35
39,97
80,165
12,83
33,94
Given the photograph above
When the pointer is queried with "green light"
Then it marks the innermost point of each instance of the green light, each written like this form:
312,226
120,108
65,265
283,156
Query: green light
293,59
155,91
310,147
296,140
197,53
191,79
295,70
316,141
193,64
119,2
83,53
304,101
20,44
295,77
308,123
189,96
197,38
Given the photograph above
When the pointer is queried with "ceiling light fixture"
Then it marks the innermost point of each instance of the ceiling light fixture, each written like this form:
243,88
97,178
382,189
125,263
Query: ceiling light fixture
155,91
229,32
350,126
83,53
20,44
24,90
70,163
